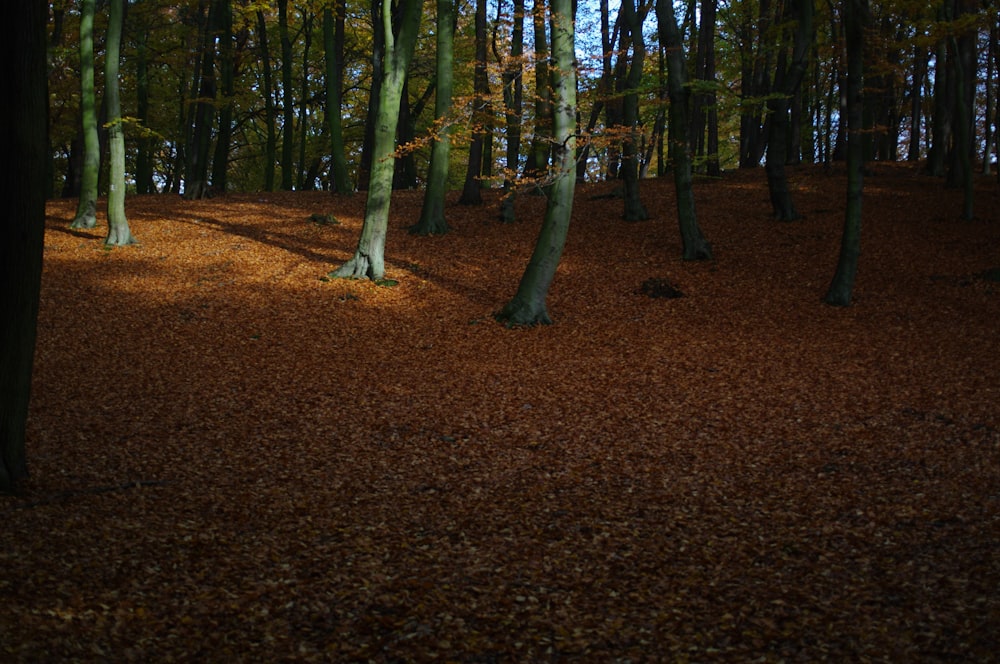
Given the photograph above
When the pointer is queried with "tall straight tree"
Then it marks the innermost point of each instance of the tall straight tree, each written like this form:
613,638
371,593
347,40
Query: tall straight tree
541,143
369,257
196,184
24,142
333,50
287,108
86,212
513,101
528,305
786,84
471,194
633,17
227,71
119,233
271,140
855,13
432,220
694,245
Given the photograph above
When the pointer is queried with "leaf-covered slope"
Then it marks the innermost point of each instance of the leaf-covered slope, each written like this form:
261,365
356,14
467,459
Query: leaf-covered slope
235,460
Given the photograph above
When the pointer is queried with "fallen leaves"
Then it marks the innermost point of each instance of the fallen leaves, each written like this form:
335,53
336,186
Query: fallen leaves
235,460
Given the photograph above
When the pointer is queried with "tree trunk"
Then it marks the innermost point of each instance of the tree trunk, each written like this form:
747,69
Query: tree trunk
271,141
301,182
471,194
25,138
374,94
528,305
119,233
695,247
287,103
432,219
333,48
369,257
634,210
220,162
86,212
196,180
513,101
842,285
786,84
541,144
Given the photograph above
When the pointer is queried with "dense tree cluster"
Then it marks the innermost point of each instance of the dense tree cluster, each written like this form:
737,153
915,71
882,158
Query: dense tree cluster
223,95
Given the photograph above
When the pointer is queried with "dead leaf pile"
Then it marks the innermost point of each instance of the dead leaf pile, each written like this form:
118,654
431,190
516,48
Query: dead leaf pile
235,459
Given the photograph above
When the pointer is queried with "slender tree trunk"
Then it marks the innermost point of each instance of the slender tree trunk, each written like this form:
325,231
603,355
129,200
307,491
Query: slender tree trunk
220,162
528,306
302,183
271,141
144,151
333,48
369,257
119,233
842,286
196,180
374,94
86,212
23,144
513,98
633,210
432,218
541,144
471,194
916,88
695,247
787,84
287,103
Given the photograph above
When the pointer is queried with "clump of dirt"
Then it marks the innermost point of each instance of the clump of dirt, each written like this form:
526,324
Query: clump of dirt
660,287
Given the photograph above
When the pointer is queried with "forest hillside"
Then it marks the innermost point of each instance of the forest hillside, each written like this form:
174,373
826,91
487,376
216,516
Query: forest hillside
235,458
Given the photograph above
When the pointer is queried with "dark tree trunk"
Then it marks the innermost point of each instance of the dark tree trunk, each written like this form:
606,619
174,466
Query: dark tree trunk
633,210
25,138
842,286
271,141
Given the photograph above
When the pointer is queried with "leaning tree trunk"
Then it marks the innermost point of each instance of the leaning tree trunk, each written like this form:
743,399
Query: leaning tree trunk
432,220
528,305
368,261
119,233
842,285
695,247
24,140
86,213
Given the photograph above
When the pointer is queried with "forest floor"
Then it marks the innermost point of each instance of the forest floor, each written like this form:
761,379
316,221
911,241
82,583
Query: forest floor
236,459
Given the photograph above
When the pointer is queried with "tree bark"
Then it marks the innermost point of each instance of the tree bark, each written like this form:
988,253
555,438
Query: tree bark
287,105
633,210
471,194
24,142
695,247
333,48
842,286
432,218
368,261
528,306
86,212
119,233
271,141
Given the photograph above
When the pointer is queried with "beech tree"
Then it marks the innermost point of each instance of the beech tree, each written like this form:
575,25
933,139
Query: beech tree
528,305
24,143
86,212
855,14
333,49
369,257
432,220
695,247
119,232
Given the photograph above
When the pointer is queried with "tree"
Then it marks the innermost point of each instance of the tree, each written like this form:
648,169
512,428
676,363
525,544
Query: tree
432,219
287,107
369,257
842,285
634,210
270,114
24,143
786,85
119,233
196,180
471,194
695,247
513,101
227,66
86,213
528,305
333,49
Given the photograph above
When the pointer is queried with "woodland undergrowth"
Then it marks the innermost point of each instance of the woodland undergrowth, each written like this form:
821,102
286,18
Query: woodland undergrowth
234,458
